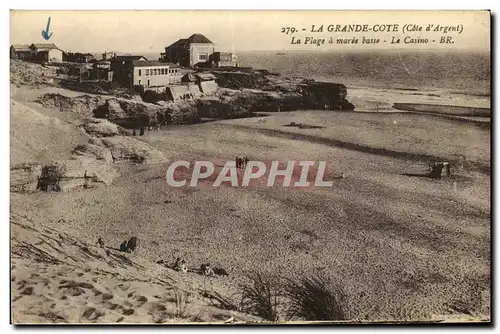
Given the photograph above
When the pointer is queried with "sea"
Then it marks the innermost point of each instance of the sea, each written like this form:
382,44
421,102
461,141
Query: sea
465,71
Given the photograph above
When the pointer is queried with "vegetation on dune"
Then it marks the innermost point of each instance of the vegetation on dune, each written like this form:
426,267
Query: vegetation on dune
261,296
314,298
310,298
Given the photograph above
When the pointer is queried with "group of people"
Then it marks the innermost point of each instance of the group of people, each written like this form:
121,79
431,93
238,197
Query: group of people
241,162
205,269
126,246
179,265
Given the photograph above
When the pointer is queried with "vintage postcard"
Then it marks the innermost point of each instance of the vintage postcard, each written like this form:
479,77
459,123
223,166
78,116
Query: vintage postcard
236,167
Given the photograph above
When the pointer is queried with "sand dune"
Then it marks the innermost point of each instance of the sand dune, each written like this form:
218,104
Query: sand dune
58,278
35,137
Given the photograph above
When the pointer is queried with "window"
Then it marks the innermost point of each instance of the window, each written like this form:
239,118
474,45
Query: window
139,72
139,82
203,56
147,71
162,71
156,71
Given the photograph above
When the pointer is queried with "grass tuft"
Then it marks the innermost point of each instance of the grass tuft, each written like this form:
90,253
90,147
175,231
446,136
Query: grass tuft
261,297
313,298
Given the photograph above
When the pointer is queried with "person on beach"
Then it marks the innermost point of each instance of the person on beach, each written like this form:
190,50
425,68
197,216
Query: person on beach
100,242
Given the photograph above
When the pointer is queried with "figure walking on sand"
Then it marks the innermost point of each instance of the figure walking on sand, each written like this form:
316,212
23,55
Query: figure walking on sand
239,162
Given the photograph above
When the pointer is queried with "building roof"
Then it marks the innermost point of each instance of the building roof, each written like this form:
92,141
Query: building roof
194,38
146,63
199,38
173,65
20,47
129,58
44,46
181,41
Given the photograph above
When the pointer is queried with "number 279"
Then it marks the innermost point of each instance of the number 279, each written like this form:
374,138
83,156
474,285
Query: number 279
288,30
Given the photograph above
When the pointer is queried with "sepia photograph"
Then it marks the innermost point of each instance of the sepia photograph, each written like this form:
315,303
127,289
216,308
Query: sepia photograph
250,167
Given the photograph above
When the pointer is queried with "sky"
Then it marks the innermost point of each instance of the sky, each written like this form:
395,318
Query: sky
238,31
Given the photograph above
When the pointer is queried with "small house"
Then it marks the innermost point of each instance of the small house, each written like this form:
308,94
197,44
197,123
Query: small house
188,52
108,55
132,71
46,52
78,57
101,71
20,51
155,73
223,59
123,67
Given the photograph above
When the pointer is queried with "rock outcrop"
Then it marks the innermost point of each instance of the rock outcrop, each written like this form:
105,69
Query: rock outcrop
84,172
239,80
83,105
325,95
63,175
94,149
292,93
129,149
99,127
129,114
24,177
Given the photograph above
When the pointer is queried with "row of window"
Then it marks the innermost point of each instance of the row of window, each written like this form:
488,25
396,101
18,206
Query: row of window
160,71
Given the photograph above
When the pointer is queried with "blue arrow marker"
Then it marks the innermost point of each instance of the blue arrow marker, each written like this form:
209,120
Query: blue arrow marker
45,33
